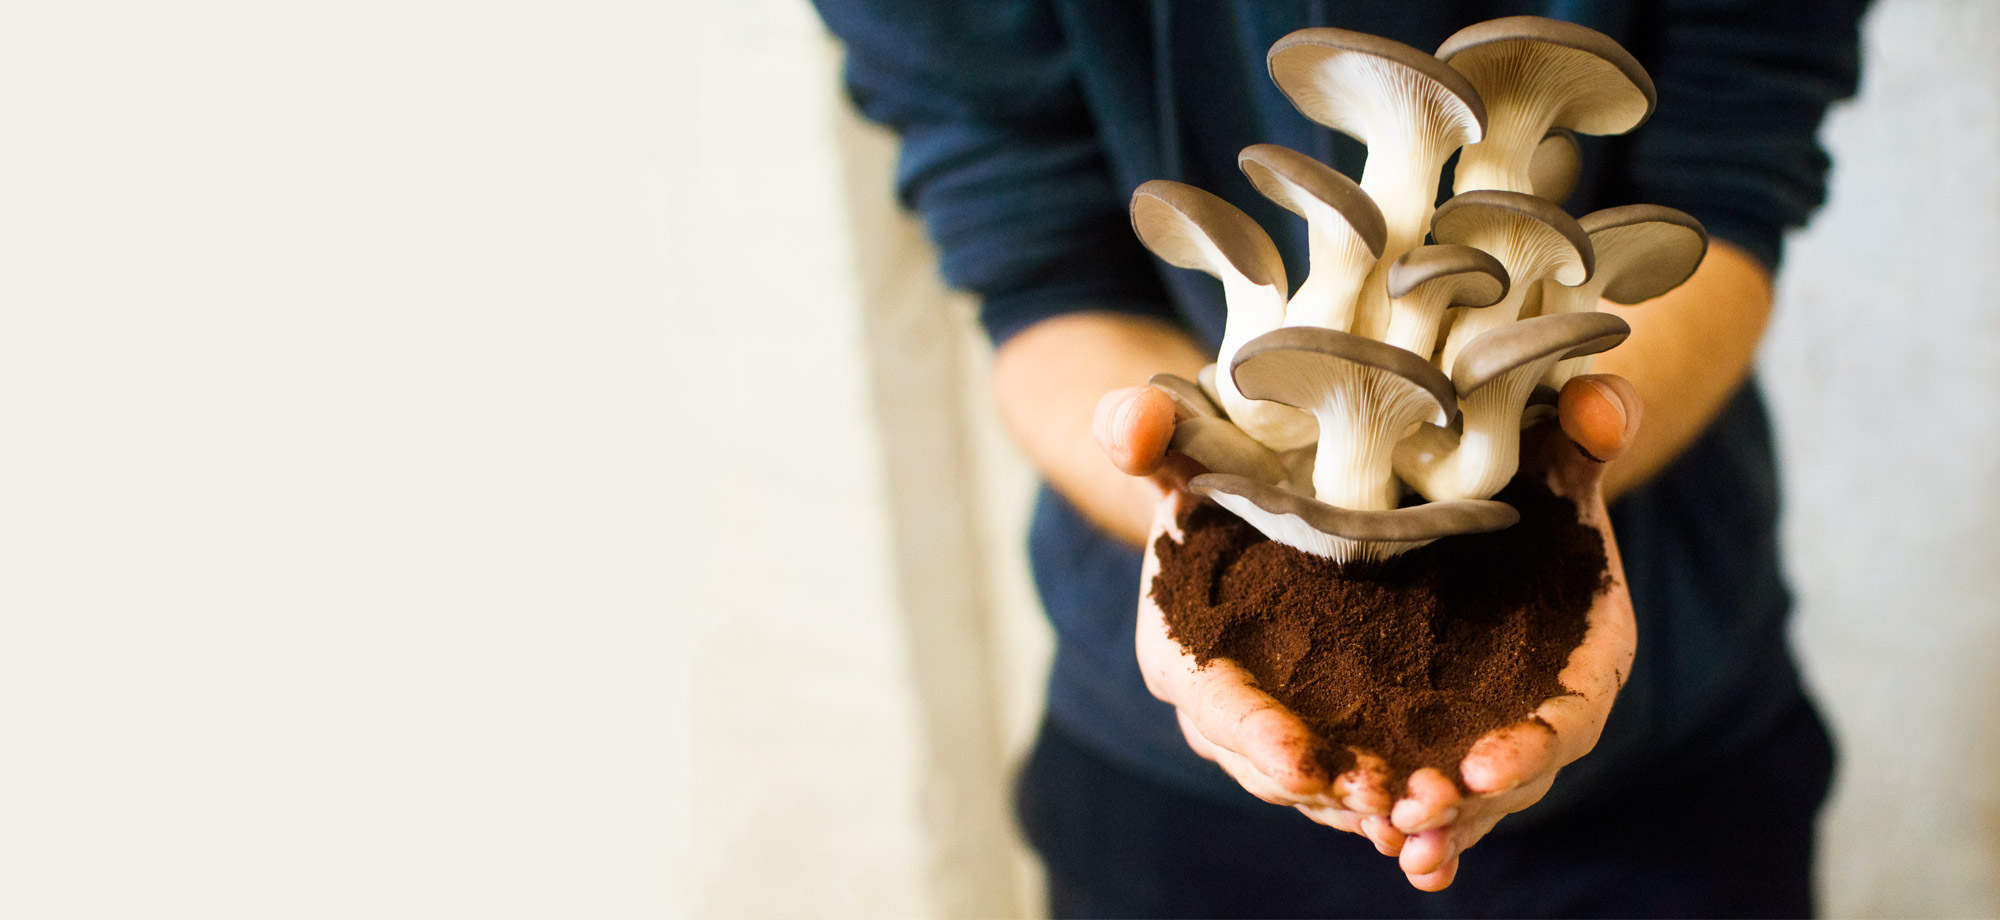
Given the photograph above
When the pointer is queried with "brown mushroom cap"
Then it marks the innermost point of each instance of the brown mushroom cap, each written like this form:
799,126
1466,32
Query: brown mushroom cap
1557,162
1381,534
1189,400
1475,218
1224,448
1286,365
1644,250
1191,228
1295,180
1490,356
1602,88
1318,70
1474,278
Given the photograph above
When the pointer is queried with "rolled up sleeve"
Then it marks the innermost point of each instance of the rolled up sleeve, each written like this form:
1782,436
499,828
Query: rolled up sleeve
1000,156
1743,86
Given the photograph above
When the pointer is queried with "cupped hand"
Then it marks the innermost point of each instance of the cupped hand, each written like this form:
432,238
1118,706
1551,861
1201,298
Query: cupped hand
1270,751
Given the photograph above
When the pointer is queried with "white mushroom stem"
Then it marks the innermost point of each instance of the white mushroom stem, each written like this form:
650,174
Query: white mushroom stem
1495,377
1340,264
1475,462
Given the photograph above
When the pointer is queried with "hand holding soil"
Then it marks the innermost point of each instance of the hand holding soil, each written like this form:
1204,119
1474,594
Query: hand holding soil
1425,818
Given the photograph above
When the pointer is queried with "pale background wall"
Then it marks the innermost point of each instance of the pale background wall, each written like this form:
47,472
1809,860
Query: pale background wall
510,461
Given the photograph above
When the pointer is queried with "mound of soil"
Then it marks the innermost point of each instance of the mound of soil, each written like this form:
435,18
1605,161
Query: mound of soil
1414,658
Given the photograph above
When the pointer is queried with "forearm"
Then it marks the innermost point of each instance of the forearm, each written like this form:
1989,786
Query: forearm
1689,352
1047,380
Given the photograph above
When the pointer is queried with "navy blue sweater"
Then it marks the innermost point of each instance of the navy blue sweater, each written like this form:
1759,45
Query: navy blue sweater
1026,125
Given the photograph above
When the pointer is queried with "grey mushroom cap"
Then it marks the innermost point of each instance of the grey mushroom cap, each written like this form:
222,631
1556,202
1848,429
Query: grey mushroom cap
1224,448
1173,219
1292,60
1666,247
1267,366
1477,279
1557,162
1622,95
1413,526
1189,400
1460,219
1491,355
1281,173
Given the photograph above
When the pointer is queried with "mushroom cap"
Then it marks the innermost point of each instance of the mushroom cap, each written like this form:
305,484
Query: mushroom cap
1604,88
1646,249
1188,398
1284,364
1191,228
1291,179
1336,77
1475,278
1470,218
1224,448
1557,162
1412,526
1570,335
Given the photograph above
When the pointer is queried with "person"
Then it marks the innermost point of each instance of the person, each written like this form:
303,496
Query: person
1026,125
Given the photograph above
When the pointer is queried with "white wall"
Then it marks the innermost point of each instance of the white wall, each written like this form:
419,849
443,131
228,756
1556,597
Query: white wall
1885,369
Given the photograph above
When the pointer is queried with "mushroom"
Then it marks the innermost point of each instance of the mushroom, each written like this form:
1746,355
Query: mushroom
1427,280
1556,163
1191,228
1642,250
1343,534
1224,448
1531,237
1206,377
1344,230
1365,394
1535,74
1494,378
1189,400
1410,109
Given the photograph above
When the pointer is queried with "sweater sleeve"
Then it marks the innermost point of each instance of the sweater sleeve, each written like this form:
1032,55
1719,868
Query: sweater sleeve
1743,86
1000,156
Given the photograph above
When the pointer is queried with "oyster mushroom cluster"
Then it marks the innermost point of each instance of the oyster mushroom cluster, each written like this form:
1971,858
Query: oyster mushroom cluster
1425,336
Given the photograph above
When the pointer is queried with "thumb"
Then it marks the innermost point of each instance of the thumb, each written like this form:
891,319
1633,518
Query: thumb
1134,425
1599,416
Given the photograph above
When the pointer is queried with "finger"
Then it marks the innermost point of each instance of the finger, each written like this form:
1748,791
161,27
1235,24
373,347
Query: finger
1255,782
1601,413
1426,853
1432,802
1507,758
1229,710
1333,816
1387,839
1364,788
1438,880
1134,426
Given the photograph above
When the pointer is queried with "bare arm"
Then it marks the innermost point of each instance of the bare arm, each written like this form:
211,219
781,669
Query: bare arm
1688,353
1048,380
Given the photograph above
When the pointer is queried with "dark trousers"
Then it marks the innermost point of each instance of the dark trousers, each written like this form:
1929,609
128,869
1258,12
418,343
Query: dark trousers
1733,841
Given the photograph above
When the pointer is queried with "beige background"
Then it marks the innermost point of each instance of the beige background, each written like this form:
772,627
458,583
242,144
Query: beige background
514,461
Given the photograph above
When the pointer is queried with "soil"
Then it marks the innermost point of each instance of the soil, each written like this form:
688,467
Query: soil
1414,658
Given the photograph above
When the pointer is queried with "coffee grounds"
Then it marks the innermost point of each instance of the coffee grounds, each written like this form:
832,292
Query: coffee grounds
1412,659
